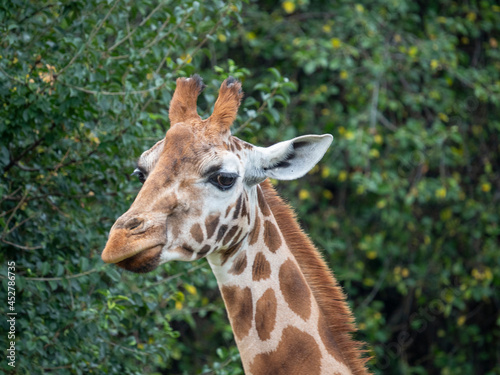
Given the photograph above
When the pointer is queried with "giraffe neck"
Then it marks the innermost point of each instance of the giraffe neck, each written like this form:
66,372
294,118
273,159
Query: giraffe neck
279,324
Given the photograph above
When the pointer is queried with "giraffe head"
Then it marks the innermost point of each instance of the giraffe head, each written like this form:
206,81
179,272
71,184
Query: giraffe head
199,183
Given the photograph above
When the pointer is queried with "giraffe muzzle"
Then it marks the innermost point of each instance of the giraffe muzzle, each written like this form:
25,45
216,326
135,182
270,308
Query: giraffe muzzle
132,236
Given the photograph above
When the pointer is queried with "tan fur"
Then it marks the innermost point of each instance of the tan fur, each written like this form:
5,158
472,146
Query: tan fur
183,104
325,288
226,106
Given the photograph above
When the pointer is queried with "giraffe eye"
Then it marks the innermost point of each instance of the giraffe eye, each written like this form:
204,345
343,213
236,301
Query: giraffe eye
223,181
140,175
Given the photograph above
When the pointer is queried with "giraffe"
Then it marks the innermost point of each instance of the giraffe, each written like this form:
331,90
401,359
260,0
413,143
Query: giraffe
206,194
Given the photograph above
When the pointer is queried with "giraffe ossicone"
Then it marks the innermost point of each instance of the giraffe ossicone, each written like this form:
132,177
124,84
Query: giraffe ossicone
205,194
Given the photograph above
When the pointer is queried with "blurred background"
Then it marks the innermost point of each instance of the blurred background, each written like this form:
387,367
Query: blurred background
404,206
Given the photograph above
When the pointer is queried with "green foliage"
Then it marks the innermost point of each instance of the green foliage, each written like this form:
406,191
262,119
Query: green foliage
405,204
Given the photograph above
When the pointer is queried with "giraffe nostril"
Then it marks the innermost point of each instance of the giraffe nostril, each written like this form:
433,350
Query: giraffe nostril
134,223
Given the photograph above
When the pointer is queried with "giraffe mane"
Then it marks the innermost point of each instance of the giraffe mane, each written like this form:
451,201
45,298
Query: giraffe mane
327,292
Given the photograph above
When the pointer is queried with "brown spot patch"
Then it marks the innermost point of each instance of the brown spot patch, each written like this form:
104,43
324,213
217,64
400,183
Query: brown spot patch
188,248
329,341
261,269
228,209
184,251
265,315
238,207
221,232
211,224
295,290
264,208
254,235
230,234
168,204
204,250
239,308
197,233
272,236
239,264
226,254
244,212
297,353
175,226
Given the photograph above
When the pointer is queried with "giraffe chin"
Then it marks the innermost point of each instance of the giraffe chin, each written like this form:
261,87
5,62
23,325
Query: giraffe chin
143,262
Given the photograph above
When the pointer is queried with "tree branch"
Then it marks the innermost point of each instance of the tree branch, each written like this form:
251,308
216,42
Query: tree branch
34,145
64,277
21,246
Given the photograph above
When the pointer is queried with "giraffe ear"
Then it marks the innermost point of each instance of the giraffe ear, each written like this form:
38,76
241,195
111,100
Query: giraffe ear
288,160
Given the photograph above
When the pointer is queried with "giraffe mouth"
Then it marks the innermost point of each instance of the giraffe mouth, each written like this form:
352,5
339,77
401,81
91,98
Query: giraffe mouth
143,262
129,251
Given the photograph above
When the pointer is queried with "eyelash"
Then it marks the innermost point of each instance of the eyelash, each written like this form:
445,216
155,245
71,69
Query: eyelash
219,180
140,175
